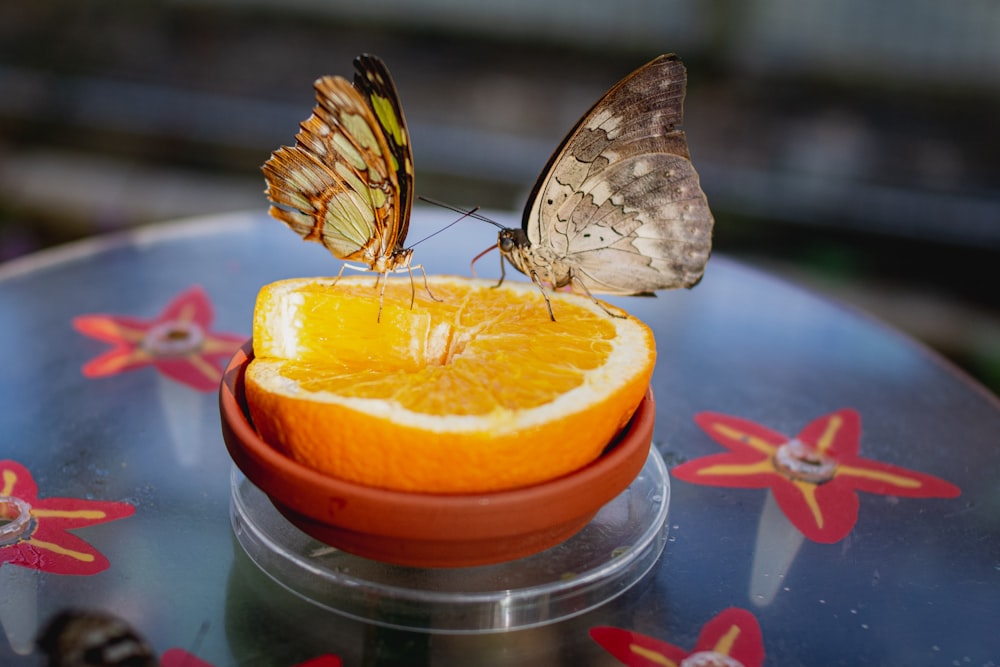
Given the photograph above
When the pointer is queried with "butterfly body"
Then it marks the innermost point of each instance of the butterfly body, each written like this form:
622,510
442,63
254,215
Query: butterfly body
348,181
619,208
541,262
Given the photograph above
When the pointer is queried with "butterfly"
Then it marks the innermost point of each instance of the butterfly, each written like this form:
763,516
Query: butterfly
619,208
87,638
348,181
93,638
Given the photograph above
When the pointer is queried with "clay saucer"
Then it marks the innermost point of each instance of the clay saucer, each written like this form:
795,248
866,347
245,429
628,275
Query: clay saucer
424,529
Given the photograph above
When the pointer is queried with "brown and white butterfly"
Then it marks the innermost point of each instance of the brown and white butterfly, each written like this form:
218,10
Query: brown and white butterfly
619,208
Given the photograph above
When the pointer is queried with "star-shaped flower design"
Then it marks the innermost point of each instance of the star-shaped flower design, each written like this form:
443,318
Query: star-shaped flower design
33,530
731,639
814,476
178,342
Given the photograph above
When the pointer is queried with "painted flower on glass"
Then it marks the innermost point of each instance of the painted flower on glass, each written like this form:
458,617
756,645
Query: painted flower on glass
731,639
815,476
34,531
178,342
176,657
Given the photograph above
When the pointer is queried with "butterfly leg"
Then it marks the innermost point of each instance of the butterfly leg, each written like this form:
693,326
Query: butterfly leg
339,274
381,293
427,287
538,281
503,274
413,290
576,282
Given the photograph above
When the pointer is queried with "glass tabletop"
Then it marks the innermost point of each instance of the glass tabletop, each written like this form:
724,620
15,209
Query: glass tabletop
834,494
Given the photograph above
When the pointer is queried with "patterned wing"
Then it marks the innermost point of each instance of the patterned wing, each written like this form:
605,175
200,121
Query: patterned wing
619,202
372,78
338,184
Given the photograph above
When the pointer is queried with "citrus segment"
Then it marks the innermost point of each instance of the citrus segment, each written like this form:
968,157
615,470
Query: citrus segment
479,391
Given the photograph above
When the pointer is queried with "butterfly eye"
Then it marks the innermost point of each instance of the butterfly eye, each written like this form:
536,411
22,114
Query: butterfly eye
512,238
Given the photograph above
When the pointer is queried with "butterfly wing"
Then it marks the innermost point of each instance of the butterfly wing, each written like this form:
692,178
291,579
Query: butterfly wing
620,203
372,79
338,185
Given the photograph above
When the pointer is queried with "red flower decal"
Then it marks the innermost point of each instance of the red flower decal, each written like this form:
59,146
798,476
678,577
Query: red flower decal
731,639
176,657
177,342
814,476
33,531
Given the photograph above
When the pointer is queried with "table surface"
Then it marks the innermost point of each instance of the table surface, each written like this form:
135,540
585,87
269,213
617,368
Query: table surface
892,560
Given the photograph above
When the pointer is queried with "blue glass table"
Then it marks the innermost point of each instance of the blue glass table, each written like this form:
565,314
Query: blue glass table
835,486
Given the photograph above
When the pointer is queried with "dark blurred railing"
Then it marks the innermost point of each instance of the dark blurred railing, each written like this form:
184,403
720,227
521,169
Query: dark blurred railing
849,139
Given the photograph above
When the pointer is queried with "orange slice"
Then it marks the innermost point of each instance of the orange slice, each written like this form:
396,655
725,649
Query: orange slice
479,391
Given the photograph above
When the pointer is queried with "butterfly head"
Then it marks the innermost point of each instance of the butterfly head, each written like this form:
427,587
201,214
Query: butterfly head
512,239
540,263
399,259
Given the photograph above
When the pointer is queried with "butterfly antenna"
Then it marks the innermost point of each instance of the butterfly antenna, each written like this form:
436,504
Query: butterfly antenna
465,213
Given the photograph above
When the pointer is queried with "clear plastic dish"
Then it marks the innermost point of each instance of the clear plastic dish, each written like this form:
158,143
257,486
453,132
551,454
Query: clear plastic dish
602,561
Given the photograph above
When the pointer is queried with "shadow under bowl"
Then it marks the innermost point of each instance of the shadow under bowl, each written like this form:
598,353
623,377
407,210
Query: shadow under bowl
426,529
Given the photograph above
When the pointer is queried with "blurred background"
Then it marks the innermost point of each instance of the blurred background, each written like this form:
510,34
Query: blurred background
848,145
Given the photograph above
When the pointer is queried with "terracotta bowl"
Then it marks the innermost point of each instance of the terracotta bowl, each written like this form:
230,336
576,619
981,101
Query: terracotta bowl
429,530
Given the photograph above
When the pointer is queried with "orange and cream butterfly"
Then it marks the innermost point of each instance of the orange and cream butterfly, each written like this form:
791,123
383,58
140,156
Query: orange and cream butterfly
348,181
618,209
